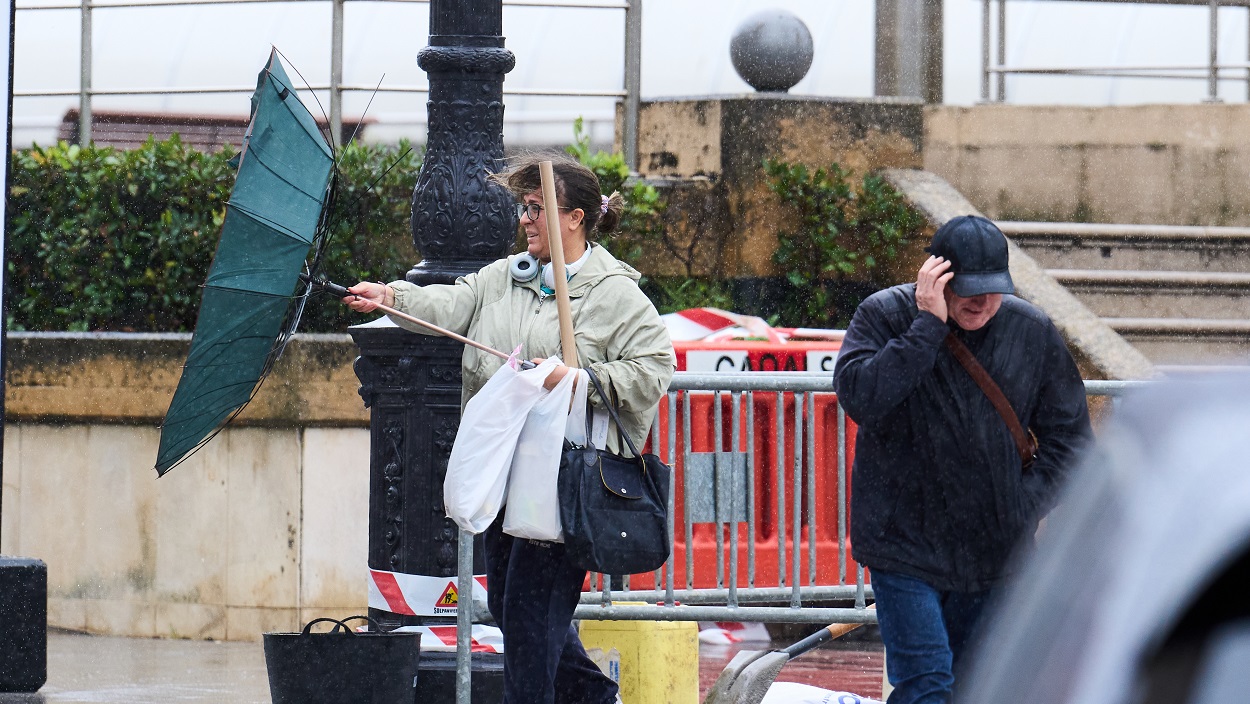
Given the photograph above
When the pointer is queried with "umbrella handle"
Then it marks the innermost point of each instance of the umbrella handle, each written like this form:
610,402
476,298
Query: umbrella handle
325,285
342,292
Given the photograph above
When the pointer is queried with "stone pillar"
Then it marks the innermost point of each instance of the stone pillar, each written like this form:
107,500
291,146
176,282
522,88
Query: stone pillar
460,222
909,49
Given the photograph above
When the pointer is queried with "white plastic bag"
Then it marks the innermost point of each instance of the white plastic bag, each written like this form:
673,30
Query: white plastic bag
575,428
795,693
533,509
477,471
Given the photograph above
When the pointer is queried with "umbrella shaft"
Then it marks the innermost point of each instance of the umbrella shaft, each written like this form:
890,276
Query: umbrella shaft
442,331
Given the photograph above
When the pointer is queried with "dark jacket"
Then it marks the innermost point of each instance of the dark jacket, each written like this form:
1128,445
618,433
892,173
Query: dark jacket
938,491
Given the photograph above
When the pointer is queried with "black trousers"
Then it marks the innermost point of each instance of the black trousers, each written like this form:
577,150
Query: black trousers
532,591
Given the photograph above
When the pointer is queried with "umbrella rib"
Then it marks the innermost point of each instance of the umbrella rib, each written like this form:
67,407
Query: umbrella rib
255,215
218,287
301,103
259,155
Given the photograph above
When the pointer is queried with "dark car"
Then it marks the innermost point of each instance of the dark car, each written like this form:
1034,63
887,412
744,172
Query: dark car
1139,590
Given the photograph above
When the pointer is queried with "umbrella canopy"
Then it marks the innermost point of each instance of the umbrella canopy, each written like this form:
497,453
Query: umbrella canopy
275,215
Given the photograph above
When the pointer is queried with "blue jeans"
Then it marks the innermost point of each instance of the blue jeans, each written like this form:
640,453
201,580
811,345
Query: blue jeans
926,632
531,591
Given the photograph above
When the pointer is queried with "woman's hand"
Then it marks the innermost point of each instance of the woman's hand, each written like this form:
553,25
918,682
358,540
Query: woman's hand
554,377
367,296
931,286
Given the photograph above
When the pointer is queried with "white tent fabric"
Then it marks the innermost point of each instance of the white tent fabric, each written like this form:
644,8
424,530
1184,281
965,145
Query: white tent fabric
574,48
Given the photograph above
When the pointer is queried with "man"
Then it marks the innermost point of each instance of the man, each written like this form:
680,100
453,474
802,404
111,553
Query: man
940,493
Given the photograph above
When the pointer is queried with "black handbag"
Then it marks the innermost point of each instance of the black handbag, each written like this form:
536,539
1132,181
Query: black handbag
613,509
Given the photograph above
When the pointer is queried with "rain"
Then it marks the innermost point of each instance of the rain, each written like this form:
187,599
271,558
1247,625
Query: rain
511,351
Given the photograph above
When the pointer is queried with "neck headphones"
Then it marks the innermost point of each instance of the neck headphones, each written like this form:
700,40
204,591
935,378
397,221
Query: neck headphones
524,267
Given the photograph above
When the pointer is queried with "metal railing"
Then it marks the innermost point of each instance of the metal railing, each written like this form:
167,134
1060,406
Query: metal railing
996,72
718,487
629,94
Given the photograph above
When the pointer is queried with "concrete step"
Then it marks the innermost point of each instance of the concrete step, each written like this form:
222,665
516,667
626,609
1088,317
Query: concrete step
1132,247
1159,294
1190,341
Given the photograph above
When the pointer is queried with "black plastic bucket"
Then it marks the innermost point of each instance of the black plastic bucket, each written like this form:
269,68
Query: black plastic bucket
437,682
342,667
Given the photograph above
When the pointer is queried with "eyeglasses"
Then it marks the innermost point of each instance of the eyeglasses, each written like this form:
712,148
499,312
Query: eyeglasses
534,210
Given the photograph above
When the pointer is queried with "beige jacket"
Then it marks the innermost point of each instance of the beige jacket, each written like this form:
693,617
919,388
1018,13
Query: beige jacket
619,335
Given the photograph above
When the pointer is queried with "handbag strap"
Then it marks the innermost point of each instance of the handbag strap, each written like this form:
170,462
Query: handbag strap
608,402
995,395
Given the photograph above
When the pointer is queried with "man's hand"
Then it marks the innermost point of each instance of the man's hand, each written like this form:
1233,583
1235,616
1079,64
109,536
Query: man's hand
931,286
368,295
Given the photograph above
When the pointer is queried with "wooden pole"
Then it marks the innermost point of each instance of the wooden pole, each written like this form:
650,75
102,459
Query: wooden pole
554,242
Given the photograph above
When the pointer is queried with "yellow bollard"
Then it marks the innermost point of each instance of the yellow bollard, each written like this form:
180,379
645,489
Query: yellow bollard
659,659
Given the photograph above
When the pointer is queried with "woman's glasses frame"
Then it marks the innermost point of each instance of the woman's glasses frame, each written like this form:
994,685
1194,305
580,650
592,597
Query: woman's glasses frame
533,210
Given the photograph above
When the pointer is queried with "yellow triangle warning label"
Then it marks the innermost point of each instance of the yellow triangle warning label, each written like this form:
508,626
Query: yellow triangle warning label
450,597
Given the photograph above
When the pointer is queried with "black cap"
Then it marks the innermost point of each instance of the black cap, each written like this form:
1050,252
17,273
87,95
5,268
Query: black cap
977,251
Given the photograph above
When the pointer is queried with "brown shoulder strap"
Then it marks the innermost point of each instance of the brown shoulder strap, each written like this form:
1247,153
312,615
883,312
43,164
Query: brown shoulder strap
1025,444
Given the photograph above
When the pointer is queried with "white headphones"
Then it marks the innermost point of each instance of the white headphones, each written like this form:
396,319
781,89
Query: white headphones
524,267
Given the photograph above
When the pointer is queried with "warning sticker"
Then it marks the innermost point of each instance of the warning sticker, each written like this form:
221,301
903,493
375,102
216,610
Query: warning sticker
419,595
448,601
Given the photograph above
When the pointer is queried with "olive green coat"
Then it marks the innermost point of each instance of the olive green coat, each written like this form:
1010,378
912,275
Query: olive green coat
618,333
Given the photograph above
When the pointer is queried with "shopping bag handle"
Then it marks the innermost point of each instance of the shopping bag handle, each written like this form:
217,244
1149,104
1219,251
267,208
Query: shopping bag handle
373,625
608,403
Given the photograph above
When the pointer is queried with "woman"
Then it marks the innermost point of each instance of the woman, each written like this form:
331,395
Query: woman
531,589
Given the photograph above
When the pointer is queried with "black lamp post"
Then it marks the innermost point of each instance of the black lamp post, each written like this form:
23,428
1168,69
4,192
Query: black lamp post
460,222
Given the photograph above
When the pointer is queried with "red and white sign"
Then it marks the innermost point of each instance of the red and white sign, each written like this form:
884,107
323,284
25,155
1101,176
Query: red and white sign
418,595
714,324
484,639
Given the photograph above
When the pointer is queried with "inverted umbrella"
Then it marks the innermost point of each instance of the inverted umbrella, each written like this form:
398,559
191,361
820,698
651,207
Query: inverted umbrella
277,213
275,216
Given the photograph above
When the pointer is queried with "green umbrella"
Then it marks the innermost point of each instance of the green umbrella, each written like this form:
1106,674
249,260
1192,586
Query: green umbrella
250,307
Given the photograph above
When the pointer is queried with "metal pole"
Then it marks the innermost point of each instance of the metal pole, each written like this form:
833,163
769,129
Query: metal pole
633,83
336,74
1002,50
751,534
841,493
6,66
985,51
718,479
464,613
1248,52
84,77
670,565
779,447
687,522
1213,71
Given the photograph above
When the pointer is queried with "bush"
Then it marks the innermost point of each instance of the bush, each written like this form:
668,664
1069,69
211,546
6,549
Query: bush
102,239
111,240
844,230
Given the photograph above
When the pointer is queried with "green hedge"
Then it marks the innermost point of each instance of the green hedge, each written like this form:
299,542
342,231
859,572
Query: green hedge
109,240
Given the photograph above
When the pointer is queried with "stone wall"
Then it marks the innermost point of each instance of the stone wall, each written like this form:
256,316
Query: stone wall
1157,164
708,154
263,529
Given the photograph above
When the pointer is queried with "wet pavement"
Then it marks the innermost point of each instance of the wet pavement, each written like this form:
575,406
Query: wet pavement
842,666
113,670
110,670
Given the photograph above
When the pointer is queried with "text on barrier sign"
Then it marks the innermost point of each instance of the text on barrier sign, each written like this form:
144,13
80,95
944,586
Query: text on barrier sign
761,360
